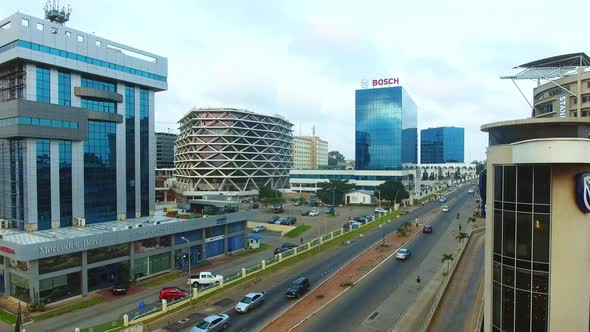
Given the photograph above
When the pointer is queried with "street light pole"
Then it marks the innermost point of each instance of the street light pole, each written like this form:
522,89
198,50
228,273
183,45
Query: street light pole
382,234
190,289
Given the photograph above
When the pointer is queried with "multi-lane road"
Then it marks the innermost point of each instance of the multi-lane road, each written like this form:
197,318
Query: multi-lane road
318,270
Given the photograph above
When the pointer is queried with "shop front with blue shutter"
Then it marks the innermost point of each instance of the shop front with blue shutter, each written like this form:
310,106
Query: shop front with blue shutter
214,248
235,243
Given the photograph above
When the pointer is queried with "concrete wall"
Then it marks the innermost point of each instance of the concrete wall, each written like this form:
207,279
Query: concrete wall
569,281
272,227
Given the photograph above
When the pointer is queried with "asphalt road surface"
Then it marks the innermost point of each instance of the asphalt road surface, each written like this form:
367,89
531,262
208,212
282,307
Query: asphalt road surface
319,270
361,302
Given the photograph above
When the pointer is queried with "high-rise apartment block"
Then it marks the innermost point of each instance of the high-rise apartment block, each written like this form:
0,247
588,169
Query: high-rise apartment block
309,152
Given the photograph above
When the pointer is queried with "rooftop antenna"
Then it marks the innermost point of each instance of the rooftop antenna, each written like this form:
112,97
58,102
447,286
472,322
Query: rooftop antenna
54,14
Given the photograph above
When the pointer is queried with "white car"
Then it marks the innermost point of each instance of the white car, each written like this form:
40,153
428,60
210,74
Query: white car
403,254
259,228
250,301
471,191
211,323
314,213
445,208
381,210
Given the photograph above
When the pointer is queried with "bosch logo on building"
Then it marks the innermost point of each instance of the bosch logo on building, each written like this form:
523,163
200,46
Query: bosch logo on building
386,81
583,192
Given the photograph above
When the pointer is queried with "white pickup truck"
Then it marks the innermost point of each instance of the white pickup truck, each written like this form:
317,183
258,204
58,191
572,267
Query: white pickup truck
204,279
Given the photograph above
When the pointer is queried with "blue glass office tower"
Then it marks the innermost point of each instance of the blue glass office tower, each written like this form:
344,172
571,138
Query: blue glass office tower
442,145
386,129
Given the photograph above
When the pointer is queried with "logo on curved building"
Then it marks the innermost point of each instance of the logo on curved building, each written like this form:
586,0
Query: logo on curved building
583,192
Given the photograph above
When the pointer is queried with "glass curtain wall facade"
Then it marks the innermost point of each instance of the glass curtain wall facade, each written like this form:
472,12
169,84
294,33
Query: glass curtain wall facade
100,185
43,185
442,145
12,153
144,111
386,129
94,104
522,229
130,149
65,183
64,88
43,85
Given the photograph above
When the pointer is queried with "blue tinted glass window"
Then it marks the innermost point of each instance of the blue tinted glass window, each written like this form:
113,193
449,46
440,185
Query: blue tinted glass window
442,145
81,58
386,129
98,105
43,185
144,150
100,190
11,181
43,85
65,183
130,148
64,89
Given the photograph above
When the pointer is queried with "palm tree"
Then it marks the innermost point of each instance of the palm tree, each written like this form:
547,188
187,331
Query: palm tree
461,236
401,231
447,258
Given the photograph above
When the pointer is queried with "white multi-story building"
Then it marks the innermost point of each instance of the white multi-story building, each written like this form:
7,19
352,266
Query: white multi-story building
309,152
231,152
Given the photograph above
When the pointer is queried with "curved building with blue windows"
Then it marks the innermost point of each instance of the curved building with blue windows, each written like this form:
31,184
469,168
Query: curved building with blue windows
386,129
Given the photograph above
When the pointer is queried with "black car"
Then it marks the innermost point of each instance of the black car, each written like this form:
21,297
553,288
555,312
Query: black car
362,220
298,287
292,220
305,212
427,229
56,294
273,219
120,288
286,246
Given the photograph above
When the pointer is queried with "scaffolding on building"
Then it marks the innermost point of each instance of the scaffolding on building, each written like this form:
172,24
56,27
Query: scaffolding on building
12,82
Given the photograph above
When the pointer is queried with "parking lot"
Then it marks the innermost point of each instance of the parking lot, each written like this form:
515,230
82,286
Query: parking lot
320,224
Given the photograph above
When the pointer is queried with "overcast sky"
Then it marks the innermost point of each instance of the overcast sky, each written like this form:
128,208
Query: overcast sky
304,59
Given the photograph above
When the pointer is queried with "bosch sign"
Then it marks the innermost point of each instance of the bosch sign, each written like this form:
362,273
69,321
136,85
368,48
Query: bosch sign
386,81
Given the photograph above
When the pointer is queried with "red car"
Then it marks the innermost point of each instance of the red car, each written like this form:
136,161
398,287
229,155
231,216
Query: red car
172,293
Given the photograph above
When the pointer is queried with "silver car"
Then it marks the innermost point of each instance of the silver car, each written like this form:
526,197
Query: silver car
250,301
211,323
403,254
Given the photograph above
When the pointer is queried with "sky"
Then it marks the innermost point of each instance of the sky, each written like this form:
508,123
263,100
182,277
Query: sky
304,59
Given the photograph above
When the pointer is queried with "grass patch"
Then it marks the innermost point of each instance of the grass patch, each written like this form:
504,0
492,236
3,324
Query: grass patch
7,317
346,284
109,326
249,252
69,308
159,281
298,231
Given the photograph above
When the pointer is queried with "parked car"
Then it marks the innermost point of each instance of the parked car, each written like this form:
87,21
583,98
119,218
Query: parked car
369,217
292,220
471,191
427,229
285,221
403,254
56,294
212,323
172,293
298,287
254,206
259,228
381,211
442,199
250,301
305,212
329,210
273,219
355,224
282,221
360,219
445,208
204,279
120,288
278,210
286,246
298,203
314,213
